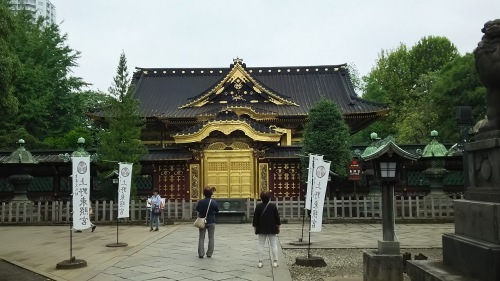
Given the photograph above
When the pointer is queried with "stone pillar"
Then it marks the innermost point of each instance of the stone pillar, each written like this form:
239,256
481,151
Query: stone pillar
474,248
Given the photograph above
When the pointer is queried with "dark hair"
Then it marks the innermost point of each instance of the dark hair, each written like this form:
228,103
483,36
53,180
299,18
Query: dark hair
207,191
155,190
265,196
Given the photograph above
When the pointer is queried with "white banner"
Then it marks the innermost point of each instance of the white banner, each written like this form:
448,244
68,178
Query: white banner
81,192
320,180
313,160
124,185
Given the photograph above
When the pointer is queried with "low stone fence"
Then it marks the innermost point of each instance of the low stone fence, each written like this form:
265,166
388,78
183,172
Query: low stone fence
348,208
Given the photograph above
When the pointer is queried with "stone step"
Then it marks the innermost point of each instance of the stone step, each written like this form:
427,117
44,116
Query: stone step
433,271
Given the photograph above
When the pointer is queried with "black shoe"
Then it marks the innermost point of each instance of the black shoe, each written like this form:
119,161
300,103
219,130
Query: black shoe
156,229
78,231
209,256
93,227
200,257
151,229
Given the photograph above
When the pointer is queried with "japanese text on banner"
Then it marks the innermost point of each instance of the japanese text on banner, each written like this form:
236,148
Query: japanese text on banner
320,180
314,159
81,192
124,185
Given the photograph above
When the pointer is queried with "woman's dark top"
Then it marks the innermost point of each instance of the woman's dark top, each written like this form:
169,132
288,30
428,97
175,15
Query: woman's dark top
266,223
202,206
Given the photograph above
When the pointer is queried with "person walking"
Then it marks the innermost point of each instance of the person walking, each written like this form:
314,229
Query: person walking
155,202
207,207
266,223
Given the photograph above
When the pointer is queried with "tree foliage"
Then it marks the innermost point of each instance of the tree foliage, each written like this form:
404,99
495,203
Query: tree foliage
326,133
402,78
39,94
120,141
9,62
457,84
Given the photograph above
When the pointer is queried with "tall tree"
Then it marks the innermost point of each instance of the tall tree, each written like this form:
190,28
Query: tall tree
398,73
121,82
326,133
88,101
42,89
457,84
121,142
9,66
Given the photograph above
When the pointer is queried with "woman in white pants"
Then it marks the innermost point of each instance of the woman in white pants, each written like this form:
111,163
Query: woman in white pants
266,222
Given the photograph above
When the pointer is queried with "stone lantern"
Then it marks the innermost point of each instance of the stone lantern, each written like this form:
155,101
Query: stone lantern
369,169
434,155
23,162
387,160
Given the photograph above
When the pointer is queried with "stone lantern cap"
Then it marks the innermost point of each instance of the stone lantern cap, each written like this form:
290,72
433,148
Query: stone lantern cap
387,145
80,151
20,155
434,148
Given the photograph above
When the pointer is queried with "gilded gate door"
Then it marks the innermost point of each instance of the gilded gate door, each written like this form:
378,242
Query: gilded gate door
230,172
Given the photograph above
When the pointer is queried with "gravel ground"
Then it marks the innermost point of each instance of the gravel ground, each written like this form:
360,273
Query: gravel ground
341,263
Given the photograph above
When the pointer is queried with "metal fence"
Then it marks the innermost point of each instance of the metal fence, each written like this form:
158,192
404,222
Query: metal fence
349,208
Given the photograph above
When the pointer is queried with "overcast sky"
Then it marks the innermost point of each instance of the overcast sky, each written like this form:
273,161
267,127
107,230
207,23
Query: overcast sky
203,33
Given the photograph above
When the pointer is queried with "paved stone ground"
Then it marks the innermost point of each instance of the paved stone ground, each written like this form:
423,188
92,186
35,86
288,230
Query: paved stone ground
170,254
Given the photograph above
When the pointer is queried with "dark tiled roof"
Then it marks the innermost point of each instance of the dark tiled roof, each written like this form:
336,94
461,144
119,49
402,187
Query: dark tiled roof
167,154
283,152
158,154
162,91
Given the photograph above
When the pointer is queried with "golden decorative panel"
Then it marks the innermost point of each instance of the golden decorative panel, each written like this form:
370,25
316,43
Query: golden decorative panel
263,177
227,127
238,77
231,172
217,146
194,170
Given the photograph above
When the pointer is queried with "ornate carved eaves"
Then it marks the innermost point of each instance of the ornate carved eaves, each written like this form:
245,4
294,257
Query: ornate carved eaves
237,78
227,127
240,110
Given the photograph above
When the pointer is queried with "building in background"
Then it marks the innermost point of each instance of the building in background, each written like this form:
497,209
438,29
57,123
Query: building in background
39,8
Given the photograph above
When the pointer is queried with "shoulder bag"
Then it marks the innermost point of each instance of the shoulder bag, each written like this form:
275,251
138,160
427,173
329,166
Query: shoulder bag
200,222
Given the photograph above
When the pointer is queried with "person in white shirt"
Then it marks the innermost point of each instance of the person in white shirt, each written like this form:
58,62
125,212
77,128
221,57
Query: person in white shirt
155,202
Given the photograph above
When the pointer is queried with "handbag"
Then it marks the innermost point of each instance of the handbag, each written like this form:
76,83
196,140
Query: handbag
200,222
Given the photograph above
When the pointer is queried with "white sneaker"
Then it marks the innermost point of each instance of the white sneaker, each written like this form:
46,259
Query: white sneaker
259,264
275,263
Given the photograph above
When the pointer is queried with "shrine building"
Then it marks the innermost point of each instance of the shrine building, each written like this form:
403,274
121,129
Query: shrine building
238,129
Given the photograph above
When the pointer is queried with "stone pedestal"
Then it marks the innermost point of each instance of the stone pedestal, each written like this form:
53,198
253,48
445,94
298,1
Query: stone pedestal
388,247
378,267
473,251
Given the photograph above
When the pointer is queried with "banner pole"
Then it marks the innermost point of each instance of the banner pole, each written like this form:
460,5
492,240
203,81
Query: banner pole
117,244
71,232
117,222
310,221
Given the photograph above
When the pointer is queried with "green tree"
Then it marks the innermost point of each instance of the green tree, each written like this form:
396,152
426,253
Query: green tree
327,134
418,118
89,101
395,79
9,62
120,141
457,84
42,95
